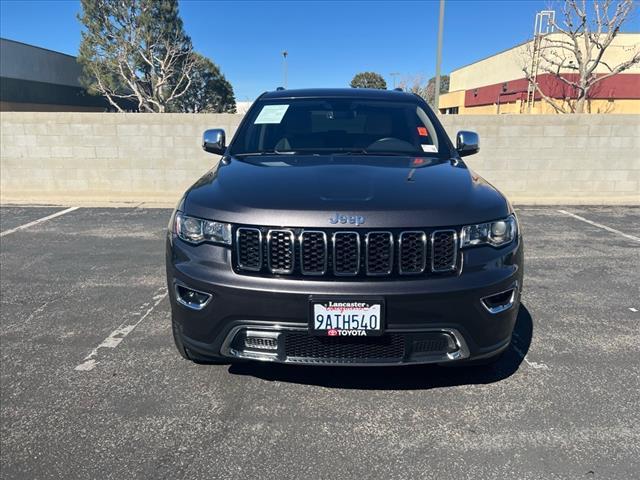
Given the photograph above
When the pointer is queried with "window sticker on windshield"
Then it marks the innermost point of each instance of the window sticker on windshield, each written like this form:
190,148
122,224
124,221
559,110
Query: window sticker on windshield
271,114
429,148
422,131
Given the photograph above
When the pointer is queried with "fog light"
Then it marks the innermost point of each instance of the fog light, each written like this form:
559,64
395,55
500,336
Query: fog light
191,298
499,302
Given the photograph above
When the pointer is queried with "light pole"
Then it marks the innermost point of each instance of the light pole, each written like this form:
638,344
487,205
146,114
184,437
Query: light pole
436,99
284,66
394,75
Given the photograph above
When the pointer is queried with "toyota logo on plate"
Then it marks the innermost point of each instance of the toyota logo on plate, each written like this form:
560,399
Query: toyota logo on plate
332,333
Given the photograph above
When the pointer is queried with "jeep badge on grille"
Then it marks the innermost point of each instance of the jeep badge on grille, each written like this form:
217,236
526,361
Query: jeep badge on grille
344,219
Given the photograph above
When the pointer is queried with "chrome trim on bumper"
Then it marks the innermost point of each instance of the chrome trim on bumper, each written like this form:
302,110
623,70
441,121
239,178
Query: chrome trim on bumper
461,353
504,307
184,303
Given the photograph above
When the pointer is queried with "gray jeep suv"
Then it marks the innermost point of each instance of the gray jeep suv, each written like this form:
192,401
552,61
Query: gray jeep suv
342,227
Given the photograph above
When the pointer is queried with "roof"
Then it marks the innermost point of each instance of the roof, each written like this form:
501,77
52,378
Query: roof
370,93
22,61
36,46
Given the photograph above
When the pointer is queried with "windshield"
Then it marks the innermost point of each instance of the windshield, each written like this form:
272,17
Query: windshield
338,126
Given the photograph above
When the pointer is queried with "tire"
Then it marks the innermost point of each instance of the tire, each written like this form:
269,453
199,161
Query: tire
188,354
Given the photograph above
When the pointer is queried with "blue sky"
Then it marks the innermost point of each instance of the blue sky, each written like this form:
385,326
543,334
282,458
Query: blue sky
328,42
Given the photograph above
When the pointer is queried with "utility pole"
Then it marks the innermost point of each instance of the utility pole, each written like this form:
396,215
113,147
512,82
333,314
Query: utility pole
394,75
284,66
439,57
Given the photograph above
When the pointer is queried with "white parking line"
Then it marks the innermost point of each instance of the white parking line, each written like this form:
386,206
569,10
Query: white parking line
115,337
534,365
36,222
599,225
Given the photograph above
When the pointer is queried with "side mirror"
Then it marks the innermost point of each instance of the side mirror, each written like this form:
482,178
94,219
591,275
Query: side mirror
467,143
213,141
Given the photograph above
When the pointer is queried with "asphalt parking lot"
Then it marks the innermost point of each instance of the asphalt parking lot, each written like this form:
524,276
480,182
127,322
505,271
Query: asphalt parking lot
92,387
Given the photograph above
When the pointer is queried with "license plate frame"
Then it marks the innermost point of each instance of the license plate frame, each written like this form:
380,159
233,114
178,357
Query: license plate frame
370,301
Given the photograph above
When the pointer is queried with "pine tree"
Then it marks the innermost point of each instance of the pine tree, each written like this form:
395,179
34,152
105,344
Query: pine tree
209,92
135,51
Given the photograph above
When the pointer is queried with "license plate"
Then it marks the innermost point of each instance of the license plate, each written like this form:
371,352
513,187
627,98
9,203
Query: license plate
346,317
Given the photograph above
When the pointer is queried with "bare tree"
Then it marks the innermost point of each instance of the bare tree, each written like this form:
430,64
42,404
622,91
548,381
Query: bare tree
426,89
135,51
576,49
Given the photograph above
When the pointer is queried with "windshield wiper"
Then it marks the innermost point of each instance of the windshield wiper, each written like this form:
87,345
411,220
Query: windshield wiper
255,154
322,151
296,152
388,153
352,151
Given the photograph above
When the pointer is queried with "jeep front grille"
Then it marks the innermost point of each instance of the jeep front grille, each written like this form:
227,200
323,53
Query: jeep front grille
413,252
314,253
341,253
249,245
379,254
346,253
444,250
280,253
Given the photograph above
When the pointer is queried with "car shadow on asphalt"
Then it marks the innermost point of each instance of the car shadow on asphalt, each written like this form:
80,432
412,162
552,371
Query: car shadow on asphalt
410,377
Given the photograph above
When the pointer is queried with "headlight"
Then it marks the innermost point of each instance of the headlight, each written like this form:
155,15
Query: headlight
496,233
197,230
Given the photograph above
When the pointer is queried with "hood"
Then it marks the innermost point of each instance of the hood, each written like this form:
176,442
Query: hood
305,191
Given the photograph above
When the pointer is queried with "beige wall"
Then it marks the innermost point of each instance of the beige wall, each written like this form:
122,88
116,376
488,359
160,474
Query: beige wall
506,66
453,99
108,157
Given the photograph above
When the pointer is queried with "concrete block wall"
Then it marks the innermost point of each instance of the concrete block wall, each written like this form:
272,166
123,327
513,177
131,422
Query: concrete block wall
51,157
104,157
554,159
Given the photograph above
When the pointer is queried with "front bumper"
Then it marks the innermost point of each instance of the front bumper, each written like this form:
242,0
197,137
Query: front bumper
432,319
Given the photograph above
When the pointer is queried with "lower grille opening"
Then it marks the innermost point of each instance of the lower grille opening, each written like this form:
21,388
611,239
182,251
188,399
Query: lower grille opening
297,345
300,346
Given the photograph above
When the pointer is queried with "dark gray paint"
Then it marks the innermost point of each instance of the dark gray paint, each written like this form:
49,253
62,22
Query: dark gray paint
391,195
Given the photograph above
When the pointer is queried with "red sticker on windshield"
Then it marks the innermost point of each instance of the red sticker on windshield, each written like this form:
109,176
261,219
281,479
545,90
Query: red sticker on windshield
422,131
